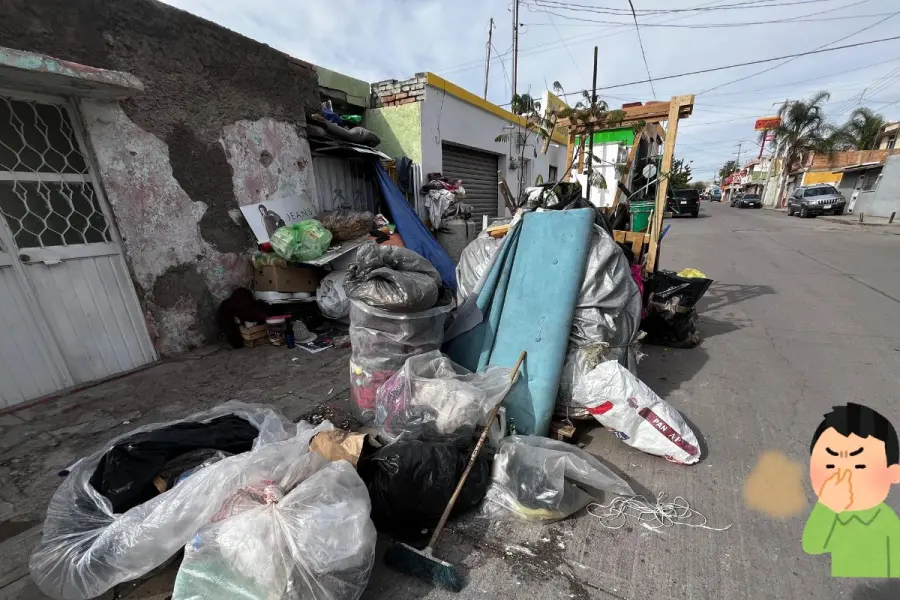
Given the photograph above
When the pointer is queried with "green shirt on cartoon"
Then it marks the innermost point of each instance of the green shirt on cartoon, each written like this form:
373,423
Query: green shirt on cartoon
863,543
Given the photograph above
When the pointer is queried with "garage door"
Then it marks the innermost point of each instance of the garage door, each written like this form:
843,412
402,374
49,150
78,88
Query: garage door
478,171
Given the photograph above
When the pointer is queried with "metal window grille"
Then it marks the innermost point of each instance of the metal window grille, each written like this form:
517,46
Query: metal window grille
46,192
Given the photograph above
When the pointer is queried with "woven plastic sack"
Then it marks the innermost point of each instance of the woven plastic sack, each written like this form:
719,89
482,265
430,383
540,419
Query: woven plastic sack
301,241
87,549
541,480
433,398
624,404
306,534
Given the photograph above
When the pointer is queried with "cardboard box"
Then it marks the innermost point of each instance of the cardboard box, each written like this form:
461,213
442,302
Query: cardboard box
286,279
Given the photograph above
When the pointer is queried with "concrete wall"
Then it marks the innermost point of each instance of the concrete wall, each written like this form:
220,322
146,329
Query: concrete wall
447,118
400,129
885,199
221,124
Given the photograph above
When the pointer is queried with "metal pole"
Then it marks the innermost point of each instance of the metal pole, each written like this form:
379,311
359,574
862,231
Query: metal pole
515,60
487,58
590,163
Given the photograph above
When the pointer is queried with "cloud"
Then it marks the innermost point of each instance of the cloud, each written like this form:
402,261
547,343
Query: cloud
382,39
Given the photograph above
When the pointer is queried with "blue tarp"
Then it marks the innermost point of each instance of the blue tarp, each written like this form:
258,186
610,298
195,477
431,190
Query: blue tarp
415,235
526,303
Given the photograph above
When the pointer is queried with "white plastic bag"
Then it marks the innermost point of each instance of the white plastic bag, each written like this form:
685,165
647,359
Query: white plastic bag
624,404
331,297
307,536
87,548
542,480
433,398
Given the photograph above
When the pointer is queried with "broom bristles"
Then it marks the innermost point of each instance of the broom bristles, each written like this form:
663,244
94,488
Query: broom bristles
425,566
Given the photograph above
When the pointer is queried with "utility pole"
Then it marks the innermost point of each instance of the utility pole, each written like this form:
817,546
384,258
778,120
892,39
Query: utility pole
515,48
590,161
487,58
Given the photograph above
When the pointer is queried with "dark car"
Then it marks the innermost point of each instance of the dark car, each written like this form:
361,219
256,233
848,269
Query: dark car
812,200
685,202
750,201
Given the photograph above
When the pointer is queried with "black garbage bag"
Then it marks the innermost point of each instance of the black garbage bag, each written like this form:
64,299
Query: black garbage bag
671,309
125,474
410,483
392,278
667,287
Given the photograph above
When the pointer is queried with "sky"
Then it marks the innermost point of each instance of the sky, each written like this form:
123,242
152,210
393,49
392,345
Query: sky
394,39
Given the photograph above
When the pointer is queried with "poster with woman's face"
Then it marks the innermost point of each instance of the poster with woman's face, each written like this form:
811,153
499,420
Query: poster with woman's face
266,217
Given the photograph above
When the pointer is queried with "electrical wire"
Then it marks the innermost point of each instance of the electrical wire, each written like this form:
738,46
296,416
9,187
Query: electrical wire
502,64
789,21
569,52
746,64
641,43
824,46
608,10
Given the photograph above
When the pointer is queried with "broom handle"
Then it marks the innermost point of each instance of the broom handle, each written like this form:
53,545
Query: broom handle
475,453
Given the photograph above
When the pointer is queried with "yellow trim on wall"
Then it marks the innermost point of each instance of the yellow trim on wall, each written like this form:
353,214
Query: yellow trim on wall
814,177
470,98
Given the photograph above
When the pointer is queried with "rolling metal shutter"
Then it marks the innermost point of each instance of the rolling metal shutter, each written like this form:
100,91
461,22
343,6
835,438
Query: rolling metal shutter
478,171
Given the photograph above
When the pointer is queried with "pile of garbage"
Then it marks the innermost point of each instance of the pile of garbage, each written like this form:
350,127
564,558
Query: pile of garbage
458,380
444,199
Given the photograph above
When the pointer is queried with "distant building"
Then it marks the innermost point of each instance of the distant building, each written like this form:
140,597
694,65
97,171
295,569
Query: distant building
887,140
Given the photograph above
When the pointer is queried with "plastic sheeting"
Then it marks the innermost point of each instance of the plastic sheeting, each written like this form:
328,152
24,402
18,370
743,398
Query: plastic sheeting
392,278
474,262
542,480
307,535
87,549
331,297
624,404
433,398
414,233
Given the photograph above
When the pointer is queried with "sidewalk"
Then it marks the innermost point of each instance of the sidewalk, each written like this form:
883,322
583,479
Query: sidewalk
868,221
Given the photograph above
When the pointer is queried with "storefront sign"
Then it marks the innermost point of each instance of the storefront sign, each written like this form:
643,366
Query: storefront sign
766,123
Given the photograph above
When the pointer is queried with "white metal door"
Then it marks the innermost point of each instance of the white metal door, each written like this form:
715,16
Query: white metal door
75,308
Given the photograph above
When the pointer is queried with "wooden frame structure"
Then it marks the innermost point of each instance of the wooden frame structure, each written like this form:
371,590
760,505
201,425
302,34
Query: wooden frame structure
651,113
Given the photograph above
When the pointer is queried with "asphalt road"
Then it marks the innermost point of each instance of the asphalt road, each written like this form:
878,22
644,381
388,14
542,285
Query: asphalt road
804,314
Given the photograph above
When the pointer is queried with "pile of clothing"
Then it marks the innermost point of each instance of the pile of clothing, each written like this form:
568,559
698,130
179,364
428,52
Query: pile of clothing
444,199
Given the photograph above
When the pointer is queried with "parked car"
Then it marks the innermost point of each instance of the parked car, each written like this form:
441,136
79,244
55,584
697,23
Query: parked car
750,201
736,198
716,196
812,200
685,202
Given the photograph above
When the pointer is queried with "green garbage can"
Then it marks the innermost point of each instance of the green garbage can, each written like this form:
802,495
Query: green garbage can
640,214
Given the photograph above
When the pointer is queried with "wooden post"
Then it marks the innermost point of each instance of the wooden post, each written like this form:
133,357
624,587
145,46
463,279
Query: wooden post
570,149
665,167
891,220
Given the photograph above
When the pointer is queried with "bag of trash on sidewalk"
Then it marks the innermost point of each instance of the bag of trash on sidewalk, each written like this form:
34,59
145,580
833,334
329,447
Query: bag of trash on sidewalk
392,278
301,241
87,547
433,398
671,312
410,483
346,225
381,342
307,535
541,480
636,415
331,297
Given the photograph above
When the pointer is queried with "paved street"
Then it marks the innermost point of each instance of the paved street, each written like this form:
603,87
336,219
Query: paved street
803,314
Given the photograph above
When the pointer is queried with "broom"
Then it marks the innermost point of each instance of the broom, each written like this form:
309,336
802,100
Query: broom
422,563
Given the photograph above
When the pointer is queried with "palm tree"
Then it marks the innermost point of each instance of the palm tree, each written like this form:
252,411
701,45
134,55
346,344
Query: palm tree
862,130
803,129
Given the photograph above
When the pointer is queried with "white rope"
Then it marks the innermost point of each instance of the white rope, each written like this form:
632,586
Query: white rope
652,516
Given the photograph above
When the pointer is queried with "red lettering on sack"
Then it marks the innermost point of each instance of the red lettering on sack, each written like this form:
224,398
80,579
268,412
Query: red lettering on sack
667,430
600,409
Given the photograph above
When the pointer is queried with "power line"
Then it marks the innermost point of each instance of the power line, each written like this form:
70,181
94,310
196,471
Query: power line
607,10
796,57
569,52
788,21
746,64
641,43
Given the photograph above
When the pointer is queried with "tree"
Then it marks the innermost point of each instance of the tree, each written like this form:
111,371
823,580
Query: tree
861,131
699,185
803,129
680,174
728,168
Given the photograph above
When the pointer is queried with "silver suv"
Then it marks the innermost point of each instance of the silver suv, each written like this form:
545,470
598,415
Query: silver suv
812,200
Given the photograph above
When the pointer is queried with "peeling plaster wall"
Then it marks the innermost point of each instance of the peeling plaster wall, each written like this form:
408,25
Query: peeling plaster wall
221,124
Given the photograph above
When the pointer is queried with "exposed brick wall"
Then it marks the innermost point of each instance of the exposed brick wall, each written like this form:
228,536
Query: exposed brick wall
395,93
845,159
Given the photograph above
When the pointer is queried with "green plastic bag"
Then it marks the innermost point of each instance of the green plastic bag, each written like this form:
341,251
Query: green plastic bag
302,241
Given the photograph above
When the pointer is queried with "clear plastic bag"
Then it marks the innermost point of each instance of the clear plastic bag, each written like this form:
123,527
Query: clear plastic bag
542,480
476,258
392,278
87,549
331,297
301,241
433,398
307,535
